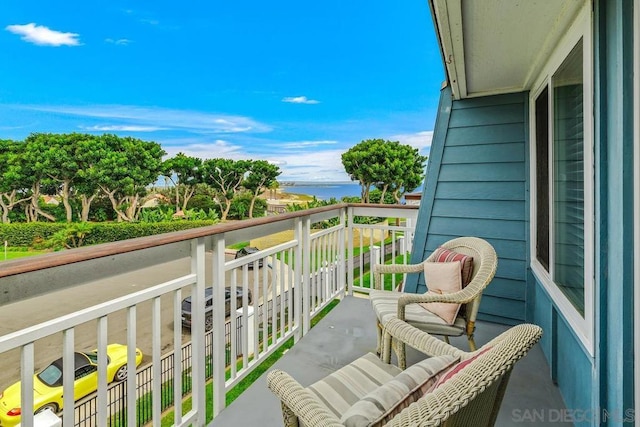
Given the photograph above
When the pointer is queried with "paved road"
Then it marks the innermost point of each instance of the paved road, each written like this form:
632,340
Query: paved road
25,313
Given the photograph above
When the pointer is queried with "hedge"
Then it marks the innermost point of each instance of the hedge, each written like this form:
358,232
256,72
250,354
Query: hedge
25,234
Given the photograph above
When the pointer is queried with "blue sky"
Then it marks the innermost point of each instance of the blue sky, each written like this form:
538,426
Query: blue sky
293,82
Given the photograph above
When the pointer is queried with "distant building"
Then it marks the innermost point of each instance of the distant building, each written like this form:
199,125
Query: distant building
413,198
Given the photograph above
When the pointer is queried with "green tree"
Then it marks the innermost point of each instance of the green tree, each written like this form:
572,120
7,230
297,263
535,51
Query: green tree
408,171
387,165
59,163
360,163
33,169
89,151
127,167
262,175
186,173
225,177
12,179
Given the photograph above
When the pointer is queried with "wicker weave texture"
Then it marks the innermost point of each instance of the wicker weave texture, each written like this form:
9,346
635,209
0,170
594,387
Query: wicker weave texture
472,397
485,264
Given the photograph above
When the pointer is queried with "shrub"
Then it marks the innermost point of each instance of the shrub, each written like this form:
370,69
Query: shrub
25,234
375,197
39,234
73,236
114,231
201,201
240,207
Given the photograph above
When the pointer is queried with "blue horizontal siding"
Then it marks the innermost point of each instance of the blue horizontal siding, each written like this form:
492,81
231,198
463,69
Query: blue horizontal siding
476,186
494,134
506,288
488,101
483,172
486,153
484,228
481,191
487,115
484,209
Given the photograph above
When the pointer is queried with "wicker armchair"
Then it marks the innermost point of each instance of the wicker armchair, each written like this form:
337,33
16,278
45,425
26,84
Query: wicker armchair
471,397
391,304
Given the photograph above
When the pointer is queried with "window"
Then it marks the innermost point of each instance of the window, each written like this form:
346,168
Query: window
542,178
560,178
568,178
85,370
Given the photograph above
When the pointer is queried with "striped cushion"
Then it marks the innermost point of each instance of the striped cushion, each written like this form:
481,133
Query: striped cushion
340,390
382,404
466,262
385,306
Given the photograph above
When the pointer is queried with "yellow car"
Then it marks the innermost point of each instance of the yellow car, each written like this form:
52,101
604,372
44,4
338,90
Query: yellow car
47,384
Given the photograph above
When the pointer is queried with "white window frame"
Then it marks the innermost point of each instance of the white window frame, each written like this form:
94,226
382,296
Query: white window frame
583,327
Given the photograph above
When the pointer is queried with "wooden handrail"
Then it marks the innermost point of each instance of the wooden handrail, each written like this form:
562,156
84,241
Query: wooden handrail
30,264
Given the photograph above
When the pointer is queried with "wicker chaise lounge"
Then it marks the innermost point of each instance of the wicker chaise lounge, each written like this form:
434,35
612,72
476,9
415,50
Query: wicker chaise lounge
393,304
470,395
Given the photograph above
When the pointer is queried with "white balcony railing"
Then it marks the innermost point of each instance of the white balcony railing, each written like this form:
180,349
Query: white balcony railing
132,292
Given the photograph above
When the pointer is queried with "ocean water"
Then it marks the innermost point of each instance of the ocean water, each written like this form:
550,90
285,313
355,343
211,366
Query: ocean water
324,190
327,190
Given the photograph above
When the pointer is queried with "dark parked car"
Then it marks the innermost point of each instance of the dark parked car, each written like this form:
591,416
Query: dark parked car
248,250
208,295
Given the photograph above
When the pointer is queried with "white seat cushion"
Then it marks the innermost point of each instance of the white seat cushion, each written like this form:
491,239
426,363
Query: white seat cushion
385,306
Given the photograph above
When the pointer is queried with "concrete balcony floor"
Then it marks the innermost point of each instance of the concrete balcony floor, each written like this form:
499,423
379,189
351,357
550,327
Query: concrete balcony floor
348,332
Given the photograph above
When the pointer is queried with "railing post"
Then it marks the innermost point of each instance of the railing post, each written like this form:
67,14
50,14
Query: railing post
131,366
197,331
341,253
409,234
101,330
298,278
27,364
68,419
219,344
373,260
306,273
247,347
349,254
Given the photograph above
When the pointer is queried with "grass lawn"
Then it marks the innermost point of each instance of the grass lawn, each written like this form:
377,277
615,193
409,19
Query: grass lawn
11,254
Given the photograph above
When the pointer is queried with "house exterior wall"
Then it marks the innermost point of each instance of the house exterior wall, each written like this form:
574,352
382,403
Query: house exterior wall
476,186
572,368
614,120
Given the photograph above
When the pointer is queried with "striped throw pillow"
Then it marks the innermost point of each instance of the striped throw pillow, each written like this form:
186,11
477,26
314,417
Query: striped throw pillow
466,262
379,406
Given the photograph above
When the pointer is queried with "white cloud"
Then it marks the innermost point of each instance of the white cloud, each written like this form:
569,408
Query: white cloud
168,119
306,144
121,42
41,35
419,140
122,128
321,165
300,100
204,150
